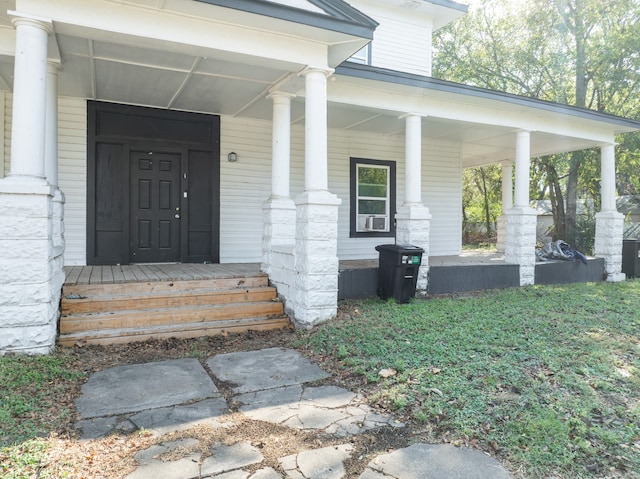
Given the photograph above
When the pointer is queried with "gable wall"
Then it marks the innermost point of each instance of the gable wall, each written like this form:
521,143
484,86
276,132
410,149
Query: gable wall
246,184
403,39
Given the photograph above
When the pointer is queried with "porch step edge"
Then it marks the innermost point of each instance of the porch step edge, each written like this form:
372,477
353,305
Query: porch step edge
157,316
241,282
79,304
125,335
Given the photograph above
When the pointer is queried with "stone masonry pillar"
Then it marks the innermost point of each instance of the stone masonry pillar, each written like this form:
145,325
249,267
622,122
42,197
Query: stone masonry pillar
279,211
609,222
520,244
507,203
316,260
30,270
413,219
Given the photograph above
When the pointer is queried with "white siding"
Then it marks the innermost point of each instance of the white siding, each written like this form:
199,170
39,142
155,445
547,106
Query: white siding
246,184
72,176
402,41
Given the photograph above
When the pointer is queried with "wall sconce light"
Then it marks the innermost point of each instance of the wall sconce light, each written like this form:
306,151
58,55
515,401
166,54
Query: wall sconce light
232,156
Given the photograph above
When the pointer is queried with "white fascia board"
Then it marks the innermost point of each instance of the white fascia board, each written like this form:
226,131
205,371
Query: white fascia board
74,17
459,107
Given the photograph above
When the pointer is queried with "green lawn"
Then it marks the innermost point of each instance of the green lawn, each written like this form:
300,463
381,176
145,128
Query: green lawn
546,378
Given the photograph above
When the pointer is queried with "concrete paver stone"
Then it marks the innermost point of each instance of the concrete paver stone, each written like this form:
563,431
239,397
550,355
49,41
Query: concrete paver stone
133,388
264,369
227,458
435,461
181,417
266,473
325,463
330,408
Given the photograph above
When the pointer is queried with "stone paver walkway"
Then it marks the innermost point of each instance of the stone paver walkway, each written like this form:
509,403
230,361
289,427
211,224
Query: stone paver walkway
273,385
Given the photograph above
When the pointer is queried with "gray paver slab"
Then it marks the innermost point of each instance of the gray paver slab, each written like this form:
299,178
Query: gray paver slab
266,473
178,418
429,461
227,458
264,369
133,388
325,463
151,467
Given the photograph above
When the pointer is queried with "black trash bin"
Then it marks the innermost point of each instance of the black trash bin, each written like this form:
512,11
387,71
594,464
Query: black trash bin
631,257
398,271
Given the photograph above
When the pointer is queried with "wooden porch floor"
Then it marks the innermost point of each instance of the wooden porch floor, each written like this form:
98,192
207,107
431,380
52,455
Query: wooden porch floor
142,273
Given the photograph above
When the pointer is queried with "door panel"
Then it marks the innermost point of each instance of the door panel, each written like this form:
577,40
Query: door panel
131,204
154,207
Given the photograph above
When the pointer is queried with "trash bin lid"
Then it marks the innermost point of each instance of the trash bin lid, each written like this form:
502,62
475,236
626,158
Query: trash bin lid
400,248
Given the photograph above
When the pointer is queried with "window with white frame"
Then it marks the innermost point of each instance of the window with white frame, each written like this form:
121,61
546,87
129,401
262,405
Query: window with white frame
373,197
362,56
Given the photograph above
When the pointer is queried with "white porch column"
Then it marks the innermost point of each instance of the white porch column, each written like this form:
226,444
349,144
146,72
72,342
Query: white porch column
29,100
30,271
520,243
413,220
316,260
279,211
51,172
507,203
609,222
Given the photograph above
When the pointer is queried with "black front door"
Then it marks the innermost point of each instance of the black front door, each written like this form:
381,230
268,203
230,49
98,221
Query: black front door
153,179
155,211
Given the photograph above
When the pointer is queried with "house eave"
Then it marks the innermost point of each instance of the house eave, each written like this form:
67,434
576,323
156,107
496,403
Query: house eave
340,17
393,77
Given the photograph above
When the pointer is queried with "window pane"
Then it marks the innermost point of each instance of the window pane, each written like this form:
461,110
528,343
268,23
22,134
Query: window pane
372,182
372,207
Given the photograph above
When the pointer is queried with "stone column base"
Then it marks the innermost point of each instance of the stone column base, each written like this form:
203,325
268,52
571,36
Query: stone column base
279,227
413,225
520,242
608,243
31,269
316,260
501,232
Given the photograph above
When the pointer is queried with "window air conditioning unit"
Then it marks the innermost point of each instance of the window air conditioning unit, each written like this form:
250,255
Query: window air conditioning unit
375,223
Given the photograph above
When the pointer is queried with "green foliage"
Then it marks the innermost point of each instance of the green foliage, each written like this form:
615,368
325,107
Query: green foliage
27,383
23,461
546,377
577,52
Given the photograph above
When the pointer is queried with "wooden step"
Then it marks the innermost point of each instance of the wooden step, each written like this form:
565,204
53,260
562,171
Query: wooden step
154,317
195,330
243,282
124,312
163,299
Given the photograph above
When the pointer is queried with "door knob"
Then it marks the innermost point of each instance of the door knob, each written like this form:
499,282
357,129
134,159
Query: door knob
177,216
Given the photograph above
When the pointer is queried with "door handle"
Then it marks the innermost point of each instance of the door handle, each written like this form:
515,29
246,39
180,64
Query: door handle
176,216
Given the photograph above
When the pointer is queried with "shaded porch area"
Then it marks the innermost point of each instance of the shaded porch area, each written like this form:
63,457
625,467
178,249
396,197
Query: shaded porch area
469,271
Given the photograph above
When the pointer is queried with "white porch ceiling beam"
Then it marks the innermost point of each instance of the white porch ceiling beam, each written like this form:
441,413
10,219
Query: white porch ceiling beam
92,71
183,85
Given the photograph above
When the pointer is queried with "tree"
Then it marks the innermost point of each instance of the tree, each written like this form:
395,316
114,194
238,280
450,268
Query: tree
578,52
485,207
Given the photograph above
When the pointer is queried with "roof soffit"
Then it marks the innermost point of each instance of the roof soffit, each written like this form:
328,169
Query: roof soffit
545,111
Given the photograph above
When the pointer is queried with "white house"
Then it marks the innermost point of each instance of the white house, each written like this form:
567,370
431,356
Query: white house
288,132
